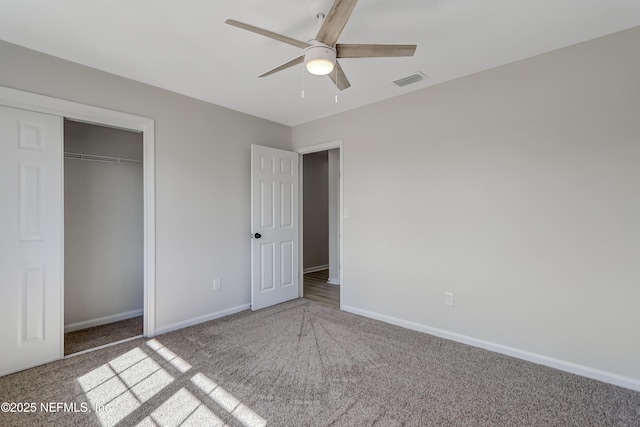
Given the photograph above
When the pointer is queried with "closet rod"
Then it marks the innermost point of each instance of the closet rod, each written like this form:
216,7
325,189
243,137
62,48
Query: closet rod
96,158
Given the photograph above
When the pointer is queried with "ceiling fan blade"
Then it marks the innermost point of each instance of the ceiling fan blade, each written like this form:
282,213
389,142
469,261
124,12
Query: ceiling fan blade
340,80
296,61
374,50
267,33
335,20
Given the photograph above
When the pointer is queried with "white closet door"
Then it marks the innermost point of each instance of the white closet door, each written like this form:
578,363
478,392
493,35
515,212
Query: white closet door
31,239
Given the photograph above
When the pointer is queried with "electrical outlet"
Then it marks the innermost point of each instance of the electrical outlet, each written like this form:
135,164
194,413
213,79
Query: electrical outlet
449,299
216,284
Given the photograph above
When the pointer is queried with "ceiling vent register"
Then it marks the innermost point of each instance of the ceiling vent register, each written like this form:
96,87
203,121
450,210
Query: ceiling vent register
409,80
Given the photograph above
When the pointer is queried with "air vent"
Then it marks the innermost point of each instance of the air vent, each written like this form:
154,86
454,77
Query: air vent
409,80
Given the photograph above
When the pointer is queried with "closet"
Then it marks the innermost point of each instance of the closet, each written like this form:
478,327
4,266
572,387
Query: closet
103,235
32,225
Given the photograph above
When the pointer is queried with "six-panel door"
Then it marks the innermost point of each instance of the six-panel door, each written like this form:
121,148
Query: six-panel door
30,239
274,216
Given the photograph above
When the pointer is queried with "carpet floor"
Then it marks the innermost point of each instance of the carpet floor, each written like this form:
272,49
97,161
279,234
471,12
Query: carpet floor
302,363
96,336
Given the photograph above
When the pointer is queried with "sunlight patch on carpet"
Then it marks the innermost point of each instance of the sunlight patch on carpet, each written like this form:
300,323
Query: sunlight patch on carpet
124,384
169,356
240,411
183,409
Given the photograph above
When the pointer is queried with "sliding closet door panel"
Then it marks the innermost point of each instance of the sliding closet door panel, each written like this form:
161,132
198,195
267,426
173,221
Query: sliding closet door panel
31,243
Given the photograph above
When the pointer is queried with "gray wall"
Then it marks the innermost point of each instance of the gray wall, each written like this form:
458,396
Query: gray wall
202,178
517,189
316,209
103,215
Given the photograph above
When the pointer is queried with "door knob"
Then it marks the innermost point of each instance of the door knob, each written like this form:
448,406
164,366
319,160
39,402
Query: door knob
257,235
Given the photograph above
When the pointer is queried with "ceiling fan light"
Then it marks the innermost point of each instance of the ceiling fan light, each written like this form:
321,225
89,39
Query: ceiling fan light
320,67
320,59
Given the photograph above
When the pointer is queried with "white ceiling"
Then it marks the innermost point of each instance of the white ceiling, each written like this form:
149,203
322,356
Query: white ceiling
184,45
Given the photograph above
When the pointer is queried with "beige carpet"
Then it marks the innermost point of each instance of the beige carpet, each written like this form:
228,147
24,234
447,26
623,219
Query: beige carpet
96,336
303,363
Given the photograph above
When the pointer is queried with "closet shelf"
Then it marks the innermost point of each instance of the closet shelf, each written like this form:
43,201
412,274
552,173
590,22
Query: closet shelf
95,158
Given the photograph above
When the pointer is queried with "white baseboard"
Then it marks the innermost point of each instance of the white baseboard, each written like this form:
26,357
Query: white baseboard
574,368
102,320
316,268
201,319
333,281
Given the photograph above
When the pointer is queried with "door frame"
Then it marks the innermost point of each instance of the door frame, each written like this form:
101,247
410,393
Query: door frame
314,149
104,117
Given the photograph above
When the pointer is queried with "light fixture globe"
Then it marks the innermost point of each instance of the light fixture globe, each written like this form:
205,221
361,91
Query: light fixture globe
320,59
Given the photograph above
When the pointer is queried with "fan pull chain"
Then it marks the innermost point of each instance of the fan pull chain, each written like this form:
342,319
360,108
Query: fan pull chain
303,73
336,68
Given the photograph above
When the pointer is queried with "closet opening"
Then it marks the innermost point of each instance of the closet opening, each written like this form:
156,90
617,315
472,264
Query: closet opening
103,236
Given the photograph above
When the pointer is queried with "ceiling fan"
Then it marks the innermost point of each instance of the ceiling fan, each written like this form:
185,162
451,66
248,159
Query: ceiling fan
320,54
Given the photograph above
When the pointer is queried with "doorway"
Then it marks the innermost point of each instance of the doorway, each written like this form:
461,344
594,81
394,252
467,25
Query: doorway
103,235
321,221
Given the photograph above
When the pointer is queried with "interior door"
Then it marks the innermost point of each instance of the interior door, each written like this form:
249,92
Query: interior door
31,239
274,226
